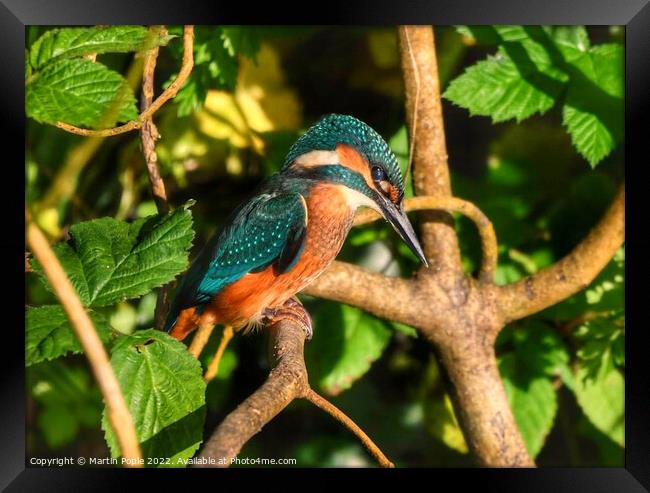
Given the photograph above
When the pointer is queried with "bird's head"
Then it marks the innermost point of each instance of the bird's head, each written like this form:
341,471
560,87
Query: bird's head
345,150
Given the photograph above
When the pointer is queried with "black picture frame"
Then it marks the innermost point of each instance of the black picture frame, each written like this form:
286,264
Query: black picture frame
633,14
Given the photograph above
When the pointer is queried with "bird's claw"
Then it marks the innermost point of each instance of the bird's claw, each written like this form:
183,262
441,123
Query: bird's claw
292,309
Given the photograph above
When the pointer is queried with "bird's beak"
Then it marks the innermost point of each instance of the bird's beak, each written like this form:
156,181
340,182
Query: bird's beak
396,216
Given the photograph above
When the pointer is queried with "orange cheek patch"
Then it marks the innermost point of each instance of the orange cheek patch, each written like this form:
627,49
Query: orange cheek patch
349,157
393,194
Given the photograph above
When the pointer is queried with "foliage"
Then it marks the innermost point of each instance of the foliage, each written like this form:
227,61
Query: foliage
528,370
216,51
109,261
164,389
62,85
49,335
252,91
535,68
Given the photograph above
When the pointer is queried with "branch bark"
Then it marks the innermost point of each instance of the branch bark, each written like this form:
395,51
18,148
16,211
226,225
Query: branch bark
287,381
430,170
116,408
572,273
148,136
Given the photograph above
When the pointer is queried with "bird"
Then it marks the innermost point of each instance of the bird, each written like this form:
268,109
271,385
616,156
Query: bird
290,230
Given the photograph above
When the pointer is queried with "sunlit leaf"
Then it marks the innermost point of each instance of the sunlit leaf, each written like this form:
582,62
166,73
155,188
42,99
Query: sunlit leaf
346,342
603,401
48,333
72,42
109,260
164,390
79,92
593,109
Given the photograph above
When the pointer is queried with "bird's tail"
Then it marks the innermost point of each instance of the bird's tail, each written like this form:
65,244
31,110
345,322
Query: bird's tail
180,323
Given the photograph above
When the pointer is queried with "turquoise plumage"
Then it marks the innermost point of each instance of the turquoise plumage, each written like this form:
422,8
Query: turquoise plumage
268,228
266,236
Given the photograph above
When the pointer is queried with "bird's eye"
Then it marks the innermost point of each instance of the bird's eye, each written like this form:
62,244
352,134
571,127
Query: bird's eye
378,174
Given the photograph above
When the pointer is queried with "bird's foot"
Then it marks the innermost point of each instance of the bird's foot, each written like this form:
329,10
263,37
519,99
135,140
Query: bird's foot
292,309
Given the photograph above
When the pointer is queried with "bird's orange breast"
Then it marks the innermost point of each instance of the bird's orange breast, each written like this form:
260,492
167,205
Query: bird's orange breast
329,218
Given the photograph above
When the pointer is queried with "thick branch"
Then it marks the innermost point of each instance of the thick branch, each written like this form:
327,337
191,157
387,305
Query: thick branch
116,408
430,171
170,92
570,274
286,382
481,404
383,296
452,204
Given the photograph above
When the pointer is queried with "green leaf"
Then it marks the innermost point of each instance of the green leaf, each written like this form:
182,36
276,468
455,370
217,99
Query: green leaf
49,334
602,400
442,424
215,64
602,345
572,41
241,40
109,260
505,88
79,92
164,390
593,108
346,342
72,42
533,402
528,370
404,329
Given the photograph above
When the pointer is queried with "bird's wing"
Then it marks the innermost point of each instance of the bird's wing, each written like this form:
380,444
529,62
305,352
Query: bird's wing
268,229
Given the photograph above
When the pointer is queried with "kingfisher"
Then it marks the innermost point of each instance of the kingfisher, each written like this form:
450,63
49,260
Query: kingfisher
289,232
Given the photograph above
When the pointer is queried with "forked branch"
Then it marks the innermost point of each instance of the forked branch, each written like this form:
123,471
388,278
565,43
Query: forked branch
286,382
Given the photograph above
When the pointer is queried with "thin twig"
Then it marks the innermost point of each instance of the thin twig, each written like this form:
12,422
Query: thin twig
116,408
213,367
452,204
201,338
336,413
149,132
148,136
170,92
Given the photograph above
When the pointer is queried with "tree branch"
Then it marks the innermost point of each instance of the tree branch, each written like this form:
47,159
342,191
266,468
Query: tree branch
287,381
116,408
335,412
430,171
170,92
378,294
148,136
452,204
149,133
570,274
